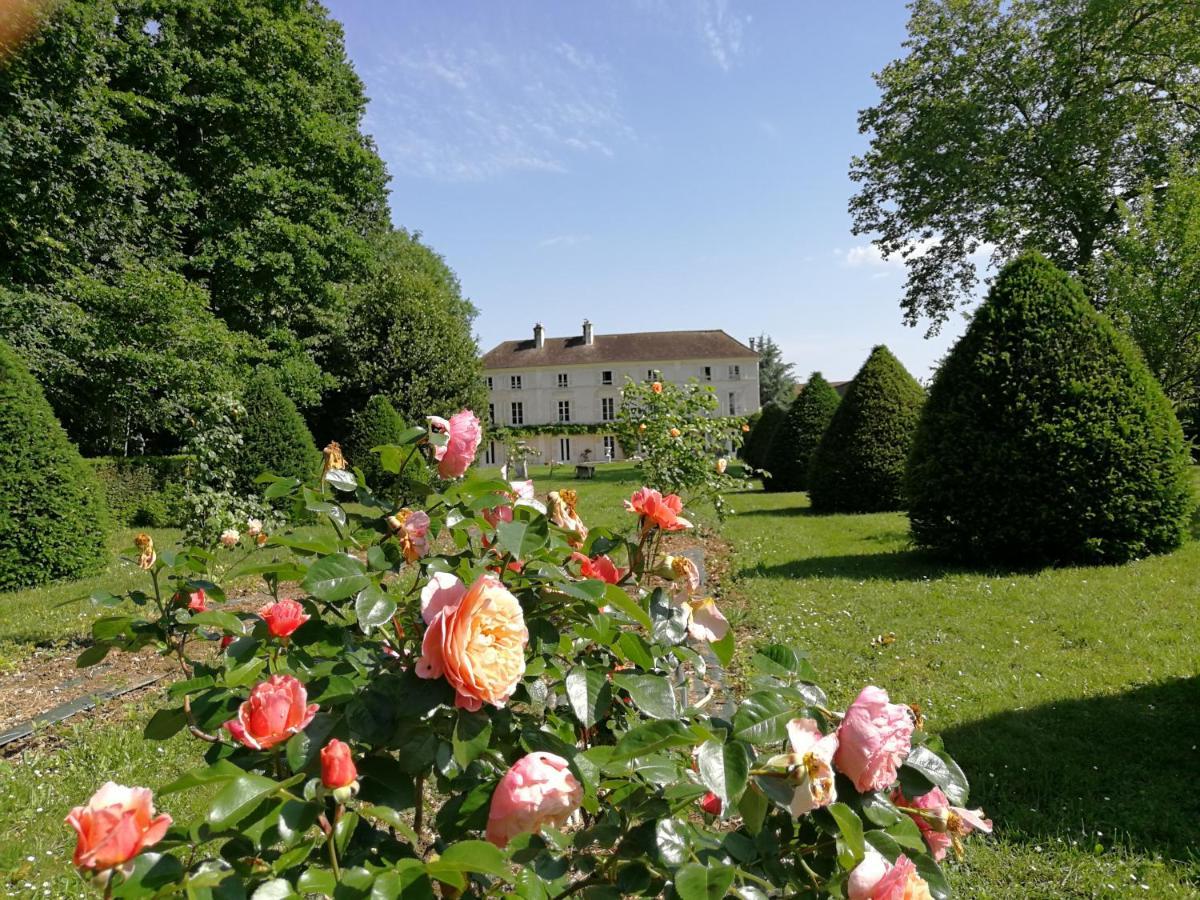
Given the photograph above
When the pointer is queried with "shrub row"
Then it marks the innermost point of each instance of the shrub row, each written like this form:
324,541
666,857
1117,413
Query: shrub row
143,490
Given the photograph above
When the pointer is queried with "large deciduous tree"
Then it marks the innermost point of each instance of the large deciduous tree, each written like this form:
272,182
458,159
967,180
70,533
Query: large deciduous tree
1015,124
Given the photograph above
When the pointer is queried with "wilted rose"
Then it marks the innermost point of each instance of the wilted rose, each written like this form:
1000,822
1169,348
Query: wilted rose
145,546
562,513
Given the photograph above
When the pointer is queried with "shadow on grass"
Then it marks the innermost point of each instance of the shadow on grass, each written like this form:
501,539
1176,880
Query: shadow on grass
1113,769
899,565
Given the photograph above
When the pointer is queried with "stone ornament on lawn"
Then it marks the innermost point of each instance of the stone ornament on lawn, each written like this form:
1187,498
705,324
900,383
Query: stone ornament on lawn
470,693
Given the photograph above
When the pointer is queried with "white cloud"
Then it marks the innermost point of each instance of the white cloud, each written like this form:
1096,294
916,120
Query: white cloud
722,29
870,256
473,110
564,240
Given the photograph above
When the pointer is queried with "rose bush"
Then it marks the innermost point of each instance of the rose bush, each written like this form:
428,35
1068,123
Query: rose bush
472,694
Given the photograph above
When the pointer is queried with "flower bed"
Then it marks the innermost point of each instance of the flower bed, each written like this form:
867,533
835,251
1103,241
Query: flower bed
478,695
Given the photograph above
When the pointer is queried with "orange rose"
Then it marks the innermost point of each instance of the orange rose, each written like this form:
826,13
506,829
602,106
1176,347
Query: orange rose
674,432
656,387
478,643
117,824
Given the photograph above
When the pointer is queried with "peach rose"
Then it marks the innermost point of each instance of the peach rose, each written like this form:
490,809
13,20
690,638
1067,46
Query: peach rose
812,759
117,824
674,432
464,434
942,825
722,465
229,538
283,617
538,791
705,621
876,879
411,528
276,710
874,740
476,638
657,511
656,387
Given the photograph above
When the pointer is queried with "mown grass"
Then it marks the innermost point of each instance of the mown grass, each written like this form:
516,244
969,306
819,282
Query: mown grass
60,612
1069,695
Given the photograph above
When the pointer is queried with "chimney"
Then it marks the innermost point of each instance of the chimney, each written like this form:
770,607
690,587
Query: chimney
588,339
751,343
539,336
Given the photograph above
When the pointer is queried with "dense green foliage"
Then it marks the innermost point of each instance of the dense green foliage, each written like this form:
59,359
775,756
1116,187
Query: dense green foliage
762,431
143,490
1045,438
274,436
409,337
376,425
185,195
52,517
1021,124
859,464
775,380
1150,284
791,451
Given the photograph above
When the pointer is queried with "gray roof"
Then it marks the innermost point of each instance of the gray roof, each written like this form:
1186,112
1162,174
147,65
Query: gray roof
642,346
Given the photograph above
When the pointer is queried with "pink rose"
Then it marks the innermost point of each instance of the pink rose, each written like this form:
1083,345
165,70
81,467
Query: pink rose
876,879
874,740
476,638
538,791
459,451
276,710
601,568
283,617
411,528
657,511
117,824
942,825
813,757
494,515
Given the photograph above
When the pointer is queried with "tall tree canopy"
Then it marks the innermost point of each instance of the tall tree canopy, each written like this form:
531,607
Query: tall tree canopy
775,379
1021,124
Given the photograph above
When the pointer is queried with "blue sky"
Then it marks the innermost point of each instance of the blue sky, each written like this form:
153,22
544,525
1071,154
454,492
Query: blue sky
648,164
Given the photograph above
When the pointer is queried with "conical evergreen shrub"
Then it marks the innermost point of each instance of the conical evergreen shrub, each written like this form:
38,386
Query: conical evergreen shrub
274,436
376,424
53,521
1045,438
757,444
798,435
859,464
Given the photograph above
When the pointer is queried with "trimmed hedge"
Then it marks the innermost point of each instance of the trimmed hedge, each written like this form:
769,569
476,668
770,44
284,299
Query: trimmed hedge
757,444
53,523
274,436
375,424
143,491
1046,440
797,437
859,464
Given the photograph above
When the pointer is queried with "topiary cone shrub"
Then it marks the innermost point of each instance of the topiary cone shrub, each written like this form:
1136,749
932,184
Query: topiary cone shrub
274,436
1046,439
798,435
53,521
859,464
378,424
758,442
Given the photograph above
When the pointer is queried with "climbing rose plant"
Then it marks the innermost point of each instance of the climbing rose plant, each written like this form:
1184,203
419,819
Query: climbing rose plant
484,697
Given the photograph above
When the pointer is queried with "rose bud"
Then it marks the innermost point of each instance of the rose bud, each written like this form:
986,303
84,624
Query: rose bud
226,641
711,804
277,709
283,617
117,824
338,773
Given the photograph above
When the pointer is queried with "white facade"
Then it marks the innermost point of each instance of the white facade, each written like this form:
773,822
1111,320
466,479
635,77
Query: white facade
591,393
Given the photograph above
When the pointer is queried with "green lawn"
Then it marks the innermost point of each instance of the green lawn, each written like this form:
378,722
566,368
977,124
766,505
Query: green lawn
1069,696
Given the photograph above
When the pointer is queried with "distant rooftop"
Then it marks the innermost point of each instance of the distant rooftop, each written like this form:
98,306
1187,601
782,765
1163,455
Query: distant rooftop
840,386
589,348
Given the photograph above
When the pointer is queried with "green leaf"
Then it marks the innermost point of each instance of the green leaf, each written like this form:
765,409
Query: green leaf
589,694
165,723
880,810
670,619
342,479
907,833
226,622
697,882
343,830
618,599
753,806
238,798
651,738
850,826
393,819
302,748
652,694
150,873
218,773
91,656
671,839
336,577
783,661
373,608
724,769
317,881
762,718
520,539
723,649
943,772
280,487
245,674
406,879
308,538
275,889
469,856
472,731
928,869
635,649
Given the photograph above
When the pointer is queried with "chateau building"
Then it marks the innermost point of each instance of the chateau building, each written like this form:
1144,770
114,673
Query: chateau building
576,381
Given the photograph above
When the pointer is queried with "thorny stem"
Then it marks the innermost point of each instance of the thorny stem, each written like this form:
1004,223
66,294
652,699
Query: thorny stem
193,727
